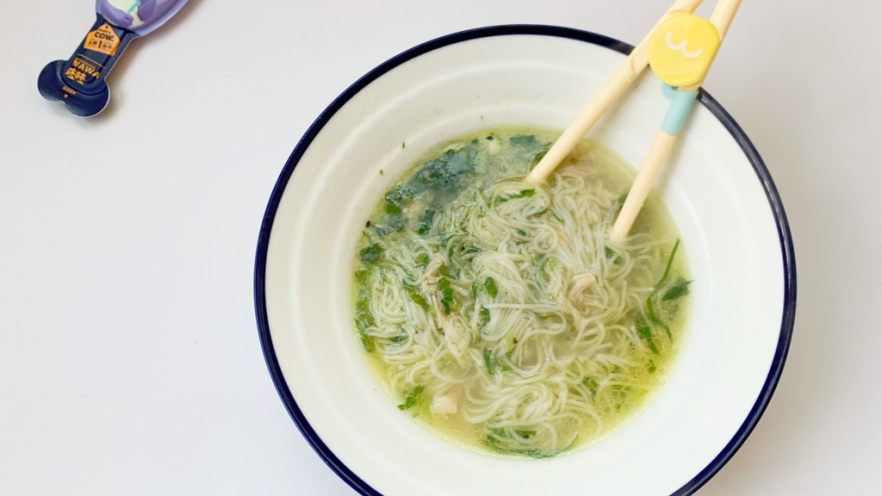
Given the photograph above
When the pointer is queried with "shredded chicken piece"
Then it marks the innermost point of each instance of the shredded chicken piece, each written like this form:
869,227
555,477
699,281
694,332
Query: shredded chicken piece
580,283
447,404
456,335
431,276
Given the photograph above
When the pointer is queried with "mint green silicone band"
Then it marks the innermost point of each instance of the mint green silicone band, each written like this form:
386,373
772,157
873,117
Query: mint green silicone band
681,105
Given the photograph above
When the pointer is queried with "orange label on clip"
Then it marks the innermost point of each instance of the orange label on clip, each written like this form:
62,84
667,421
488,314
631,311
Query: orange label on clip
103,39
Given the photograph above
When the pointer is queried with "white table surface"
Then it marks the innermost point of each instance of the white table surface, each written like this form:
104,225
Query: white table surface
129,359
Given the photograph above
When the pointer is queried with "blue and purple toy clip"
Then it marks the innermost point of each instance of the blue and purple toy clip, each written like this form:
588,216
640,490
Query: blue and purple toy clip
79,81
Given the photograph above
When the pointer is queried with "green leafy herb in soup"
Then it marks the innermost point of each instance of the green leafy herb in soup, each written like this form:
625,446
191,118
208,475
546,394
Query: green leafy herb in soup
500,312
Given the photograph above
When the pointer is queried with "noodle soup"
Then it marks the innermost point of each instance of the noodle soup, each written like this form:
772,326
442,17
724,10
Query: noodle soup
500,313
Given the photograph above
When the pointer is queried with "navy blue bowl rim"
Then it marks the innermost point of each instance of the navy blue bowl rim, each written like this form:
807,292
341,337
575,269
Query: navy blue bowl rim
762,173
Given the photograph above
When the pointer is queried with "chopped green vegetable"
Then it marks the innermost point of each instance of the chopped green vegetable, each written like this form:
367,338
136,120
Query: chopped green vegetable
395,222
678,290
591,384
485,316
361,275
417,297
397,198
490,286
492,441
526,193
423,258
444,270
425,222
366,339
448,298
531,146
490,360
371,253
541,153
532,453
496,435
650,312
363,318
668,266
525,140
412,398
538,213
446,171
608,252
645,333
400,338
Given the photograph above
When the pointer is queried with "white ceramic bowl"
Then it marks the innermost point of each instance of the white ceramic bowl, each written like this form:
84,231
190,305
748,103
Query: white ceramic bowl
719,192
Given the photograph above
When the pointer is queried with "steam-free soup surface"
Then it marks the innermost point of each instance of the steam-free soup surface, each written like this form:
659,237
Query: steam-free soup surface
500,313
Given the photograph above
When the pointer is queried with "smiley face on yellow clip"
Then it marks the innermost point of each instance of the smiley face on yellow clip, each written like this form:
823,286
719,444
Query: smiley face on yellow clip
682,49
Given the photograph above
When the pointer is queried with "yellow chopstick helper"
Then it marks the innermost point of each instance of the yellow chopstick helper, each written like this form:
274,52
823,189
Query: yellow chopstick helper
680,50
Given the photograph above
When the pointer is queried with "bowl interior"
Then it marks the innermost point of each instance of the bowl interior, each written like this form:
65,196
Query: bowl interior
714,194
